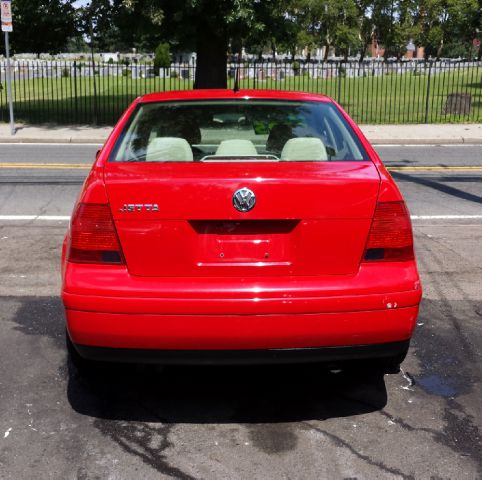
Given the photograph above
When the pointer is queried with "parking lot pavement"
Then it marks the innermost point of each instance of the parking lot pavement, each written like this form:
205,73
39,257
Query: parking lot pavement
237,423
268,422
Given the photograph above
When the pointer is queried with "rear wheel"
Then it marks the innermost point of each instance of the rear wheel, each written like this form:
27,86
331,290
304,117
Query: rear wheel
83,366
391,364
384,365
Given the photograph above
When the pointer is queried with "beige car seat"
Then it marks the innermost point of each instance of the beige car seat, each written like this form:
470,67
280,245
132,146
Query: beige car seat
304,149
231,148
169,149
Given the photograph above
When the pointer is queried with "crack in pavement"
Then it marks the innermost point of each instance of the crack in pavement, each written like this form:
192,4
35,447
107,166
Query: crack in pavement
145,442
339,442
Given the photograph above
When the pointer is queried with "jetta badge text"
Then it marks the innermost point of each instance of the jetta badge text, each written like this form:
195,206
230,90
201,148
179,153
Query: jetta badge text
244,199
139,207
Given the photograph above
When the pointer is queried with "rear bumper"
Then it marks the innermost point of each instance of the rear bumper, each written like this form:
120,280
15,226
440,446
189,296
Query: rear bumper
240,332
245,357
108,308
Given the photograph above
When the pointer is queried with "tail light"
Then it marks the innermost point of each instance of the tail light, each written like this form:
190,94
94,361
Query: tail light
390,237
93,238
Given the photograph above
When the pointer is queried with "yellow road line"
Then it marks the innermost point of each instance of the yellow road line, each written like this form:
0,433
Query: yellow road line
435,168
69,166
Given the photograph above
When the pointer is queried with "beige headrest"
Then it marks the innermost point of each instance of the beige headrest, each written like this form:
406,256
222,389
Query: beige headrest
169,149
229,148
304,149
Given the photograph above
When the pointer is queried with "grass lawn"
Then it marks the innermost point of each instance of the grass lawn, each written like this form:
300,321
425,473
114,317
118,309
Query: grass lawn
390,98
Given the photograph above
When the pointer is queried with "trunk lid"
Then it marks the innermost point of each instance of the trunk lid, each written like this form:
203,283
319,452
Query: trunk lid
178,219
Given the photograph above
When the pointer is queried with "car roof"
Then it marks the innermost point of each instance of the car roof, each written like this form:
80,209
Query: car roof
207,94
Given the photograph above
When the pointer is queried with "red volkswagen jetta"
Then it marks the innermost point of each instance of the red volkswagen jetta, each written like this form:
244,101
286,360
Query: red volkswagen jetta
230,227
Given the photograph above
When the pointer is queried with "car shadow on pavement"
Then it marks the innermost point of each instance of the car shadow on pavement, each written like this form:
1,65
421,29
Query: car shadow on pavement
435,183
224,394
195,394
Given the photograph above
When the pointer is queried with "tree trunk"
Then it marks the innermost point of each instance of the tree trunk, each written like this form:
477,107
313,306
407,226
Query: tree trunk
363,50
439,49
211,62
327,51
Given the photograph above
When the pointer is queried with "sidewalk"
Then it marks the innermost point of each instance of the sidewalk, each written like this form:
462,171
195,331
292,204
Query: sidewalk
54,134
376,134
414,134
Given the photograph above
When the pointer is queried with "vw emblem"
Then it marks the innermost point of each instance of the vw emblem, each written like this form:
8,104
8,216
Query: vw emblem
244,199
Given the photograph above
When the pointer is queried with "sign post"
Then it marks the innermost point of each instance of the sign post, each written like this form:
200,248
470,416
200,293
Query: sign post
7,27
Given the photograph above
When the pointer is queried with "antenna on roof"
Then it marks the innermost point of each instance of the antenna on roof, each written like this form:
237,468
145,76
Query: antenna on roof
236,75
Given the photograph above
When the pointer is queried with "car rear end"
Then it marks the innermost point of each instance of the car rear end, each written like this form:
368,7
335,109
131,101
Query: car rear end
239,227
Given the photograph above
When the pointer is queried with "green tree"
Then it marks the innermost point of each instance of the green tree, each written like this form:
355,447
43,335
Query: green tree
96,21
347,32
162,57
42,26
366,25
328,23
476,27
276,29
447,23
394,24
140,25
212,28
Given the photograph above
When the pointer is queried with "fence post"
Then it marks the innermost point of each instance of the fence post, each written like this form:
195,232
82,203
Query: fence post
338,95
428,91
76,100
95,89
255,75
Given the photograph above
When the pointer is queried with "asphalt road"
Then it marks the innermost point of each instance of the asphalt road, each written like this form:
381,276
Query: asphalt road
391,154
218,423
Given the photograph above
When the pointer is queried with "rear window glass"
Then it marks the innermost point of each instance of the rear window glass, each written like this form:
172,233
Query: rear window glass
237,130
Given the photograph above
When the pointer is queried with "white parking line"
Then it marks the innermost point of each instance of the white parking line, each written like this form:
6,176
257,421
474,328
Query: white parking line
446,217
66,218
51,218
418,145
46,144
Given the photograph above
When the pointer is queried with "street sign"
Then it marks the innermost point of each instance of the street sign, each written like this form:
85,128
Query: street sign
6,10
6,19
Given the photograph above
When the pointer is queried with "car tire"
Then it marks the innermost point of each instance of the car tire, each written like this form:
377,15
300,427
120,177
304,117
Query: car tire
83,366
382,365
392,364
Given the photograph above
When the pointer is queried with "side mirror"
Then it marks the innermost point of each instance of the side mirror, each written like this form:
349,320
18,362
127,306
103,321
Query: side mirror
98,153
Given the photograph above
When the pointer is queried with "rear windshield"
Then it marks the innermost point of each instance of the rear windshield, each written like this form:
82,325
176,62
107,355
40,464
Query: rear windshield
237,130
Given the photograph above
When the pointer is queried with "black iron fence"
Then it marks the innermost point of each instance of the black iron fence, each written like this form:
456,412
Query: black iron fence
371,91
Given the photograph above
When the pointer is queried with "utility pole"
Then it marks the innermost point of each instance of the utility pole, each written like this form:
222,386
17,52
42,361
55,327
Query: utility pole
6,17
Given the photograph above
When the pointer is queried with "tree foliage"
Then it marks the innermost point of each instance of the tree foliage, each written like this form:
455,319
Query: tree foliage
162,56
42,26
216,28
443,23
